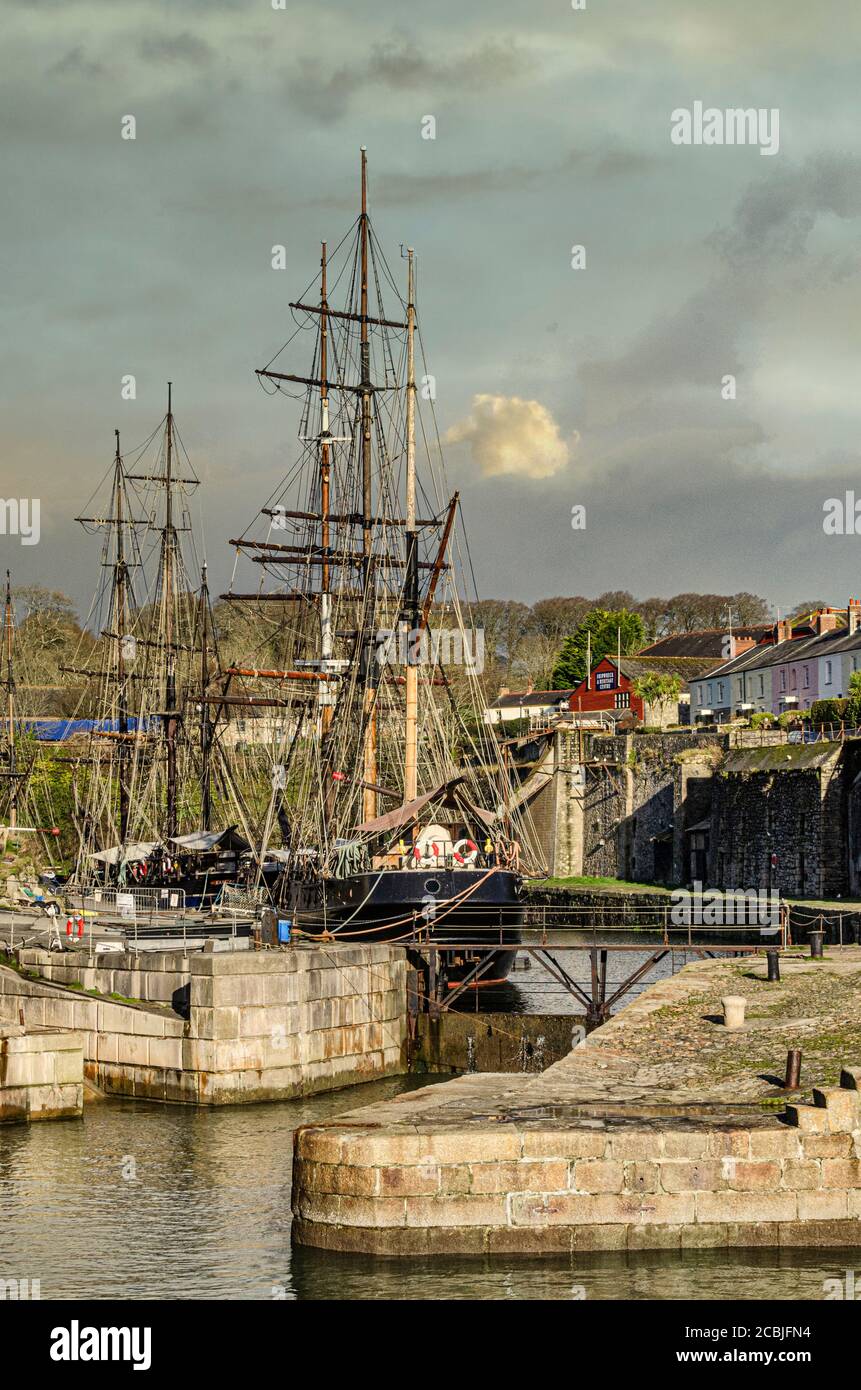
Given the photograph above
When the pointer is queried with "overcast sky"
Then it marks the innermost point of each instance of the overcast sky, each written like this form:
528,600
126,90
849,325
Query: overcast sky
599,386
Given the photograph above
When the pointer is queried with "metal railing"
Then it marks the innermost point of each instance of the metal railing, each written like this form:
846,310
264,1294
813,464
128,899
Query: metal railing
130,904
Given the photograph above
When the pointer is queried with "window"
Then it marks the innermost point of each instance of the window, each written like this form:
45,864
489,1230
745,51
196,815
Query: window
828,673
792,678
720,692
783,680
806,677
623,699
699,694
761,686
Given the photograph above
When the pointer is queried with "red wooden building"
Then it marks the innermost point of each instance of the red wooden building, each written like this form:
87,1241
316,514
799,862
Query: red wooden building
610,686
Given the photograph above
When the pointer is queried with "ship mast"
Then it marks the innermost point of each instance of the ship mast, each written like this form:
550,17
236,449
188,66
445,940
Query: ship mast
369,795
206,728
412,573
120,623
168,557
326,644
8,625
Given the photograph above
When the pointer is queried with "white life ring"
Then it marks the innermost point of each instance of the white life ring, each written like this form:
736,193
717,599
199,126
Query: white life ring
465,852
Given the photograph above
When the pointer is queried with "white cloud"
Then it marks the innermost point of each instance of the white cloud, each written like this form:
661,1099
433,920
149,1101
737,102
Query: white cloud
512,437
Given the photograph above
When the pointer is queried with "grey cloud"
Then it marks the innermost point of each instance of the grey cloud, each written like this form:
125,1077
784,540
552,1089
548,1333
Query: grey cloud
175,48
777,214
75,63
400,64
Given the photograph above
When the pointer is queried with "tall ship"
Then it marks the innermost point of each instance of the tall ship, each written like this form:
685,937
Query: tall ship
391,812
161,805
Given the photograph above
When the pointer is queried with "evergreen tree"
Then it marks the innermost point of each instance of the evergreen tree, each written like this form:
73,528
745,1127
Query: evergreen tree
605,627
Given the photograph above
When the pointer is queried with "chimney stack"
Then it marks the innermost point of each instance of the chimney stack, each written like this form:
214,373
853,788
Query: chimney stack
854,614
783,630
825,621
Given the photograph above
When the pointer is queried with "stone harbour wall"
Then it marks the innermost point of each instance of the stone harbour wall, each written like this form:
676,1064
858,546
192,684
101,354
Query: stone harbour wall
254,1025
529,1185
41,1074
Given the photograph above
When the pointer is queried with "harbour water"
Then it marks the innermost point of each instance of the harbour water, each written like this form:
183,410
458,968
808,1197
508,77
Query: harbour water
143,1201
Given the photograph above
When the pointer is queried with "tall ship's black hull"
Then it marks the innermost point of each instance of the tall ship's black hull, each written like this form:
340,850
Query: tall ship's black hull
473,909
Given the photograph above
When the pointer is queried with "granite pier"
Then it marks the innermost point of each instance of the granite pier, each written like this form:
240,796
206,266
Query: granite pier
663,1129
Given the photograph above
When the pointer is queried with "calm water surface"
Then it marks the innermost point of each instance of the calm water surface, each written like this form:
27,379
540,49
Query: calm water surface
207,1215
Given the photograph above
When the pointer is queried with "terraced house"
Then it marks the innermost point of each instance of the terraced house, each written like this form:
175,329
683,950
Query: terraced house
794,666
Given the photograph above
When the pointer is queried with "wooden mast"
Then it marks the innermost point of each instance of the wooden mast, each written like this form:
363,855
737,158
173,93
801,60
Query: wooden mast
170,652
205,719
326,644
120,620
10,705
411,587
369,796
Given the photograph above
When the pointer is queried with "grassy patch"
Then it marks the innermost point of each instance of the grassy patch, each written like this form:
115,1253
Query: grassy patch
584,881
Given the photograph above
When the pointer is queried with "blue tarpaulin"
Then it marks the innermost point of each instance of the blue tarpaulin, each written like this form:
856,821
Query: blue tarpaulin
56,730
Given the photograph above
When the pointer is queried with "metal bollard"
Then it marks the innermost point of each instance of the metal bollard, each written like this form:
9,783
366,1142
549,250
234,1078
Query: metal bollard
793,1069
773,957
816,940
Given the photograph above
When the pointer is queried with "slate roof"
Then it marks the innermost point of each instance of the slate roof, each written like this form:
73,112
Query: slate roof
526,699
706,642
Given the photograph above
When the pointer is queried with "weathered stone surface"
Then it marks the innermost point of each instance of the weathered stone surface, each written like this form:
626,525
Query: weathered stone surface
841,1106
649,1164
262,1026
810,1119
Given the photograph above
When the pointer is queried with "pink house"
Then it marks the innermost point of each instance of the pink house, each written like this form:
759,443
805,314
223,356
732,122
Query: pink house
795,680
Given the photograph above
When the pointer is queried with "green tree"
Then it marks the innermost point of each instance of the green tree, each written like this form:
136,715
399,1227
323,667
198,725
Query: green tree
605,630
658,691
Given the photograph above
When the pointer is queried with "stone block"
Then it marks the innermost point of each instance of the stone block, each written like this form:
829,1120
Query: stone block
751,1175
749,1235
825,1233
774,1143
584,1238
734,1207
841,1106
682,1176
729,1143
165,1052
69,1065
826,1145
801,1174
522,1240
685,1143
809,1119
473,1145
823,1206
850,1078
636,1144
418,1180
597,1175
456,1211
704,1237
567,1143
642,1177
649,1237
535,1209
